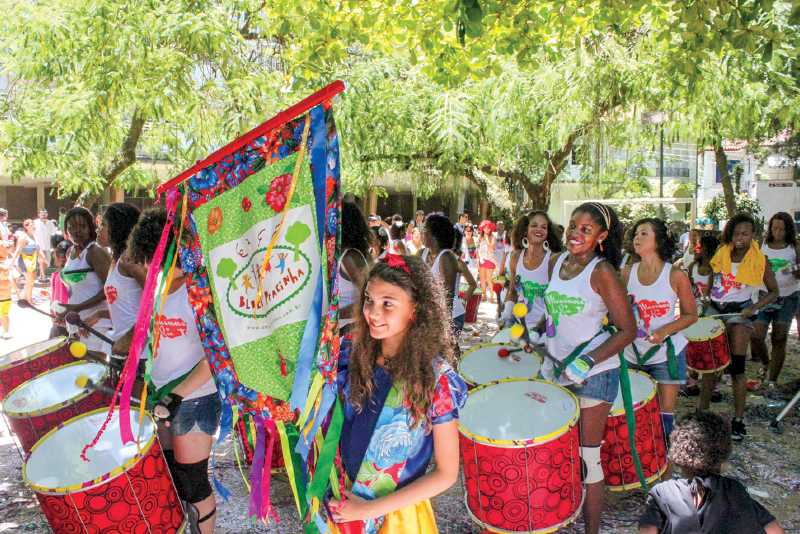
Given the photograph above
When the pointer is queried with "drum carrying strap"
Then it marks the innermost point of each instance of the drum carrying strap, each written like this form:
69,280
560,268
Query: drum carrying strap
559,368
630,417
672,363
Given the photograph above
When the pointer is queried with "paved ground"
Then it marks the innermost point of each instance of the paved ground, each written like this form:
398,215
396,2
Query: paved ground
766,462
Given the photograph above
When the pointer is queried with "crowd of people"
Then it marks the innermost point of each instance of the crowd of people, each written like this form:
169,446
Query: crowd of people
402,308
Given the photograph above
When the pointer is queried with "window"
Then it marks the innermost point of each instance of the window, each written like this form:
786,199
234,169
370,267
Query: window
731,163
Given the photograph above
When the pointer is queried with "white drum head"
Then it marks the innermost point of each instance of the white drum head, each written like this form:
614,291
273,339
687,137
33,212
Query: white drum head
55,462
503,336
642,389
704,328
518,411
483,365
31,350
52,388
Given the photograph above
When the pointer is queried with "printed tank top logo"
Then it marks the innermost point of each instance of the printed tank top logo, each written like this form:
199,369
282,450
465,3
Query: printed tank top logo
649,309
533,290
778,263
727,281
111,294
558,305
169,327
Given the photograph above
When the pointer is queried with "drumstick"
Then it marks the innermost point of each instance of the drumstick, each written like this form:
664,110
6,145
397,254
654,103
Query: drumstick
25,305
78,350
505,353
87,383
74,319
498,288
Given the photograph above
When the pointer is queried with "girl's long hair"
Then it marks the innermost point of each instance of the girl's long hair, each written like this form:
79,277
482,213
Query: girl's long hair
612,245
428,336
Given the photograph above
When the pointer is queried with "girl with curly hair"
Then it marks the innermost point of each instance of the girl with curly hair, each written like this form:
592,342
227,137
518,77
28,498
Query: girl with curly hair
703,500
123,287
583,288
739,268
85,274
655,288
534,242
781,249
401,402
188,412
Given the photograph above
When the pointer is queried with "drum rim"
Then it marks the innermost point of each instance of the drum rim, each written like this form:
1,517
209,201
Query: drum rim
533,441
499,342
707,337
107,477
36,355
55,407
642,402
490,344
546,530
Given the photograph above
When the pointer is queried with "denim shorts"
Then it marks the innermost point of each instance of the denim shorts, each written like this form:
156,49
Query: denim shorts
602,386
201,414
784,312
660,371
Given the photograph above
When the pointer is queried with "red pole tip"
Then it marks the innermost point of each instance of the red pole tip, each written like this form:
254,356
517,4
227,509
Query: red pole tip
503,353
497,287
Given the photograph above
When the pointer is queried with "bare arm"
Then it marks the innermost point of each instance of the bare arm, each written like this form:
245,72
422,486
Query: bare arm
511,292
354,268
448,266
434,482
648,530
464,270
796,274
132,270
100,262
683,288
772,292
774,528
607,284
17,251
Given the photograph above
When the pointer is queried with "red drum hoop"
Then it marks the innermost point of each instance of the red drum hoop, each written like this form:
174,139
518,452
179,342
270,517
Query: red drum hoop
124,488
615,452
21,365
707,351
482,365
522,467
42,403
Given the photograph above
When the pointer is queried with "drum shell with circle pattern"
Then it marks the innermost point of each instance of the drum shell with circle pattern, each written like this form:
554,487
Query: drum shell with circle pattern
707,351
527,482
21,365
483,364
137,497
615,452
44,402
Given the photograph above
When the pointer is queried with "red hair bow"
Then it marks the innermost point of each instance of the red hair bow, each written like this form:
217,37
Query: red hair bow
395,261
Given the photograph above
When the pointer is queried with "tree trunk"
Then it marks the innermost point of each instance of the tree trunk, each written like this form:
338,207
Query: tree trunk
725,177
124,158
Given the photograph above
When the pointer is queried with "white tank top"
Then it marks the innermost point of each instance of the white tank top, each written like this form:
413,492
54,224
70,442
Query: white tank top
533,285
458,308
394,247
726,289
347,289
179,346
123,295
83,285
574,314
778,258
699,283
656,305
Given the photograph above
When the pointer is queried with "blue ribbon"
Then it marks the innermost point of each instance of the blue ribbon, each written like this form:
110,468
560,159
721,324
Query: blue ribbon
225,428
308,349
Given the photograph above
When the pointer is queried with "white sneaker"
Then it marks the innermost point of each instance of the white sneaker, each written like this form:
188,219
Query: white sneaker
6,335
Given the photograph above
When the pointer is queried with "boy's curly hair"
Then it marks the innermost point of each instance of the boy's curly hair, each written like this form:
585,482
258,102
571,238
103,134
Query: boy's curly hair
701,441
427,337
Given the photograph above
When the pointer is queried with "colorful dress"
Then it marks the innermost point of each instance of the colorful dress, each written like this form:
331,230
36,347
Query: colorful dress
395,454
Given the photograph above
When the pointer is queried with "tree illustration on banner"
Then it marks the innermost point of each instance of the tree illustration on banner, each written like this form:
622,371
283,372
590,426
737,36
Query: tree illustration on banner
296,235
227,269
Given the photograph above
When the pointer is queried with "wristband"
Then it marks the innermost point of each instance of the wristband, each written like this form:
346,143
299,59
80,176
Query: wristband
172,402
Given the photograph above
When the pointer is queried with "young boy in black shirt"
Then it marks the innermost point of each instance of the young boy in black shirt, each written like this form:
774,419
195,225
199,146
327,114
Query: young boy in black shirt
703,501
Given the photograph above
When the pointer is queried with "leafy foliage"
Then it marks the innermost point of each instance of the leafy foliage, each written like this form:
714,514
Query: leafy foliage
715,208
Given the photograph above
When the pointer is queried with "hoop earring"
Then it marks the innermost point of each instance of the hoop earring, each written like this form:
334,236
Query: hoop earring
601,246
546,245
525,243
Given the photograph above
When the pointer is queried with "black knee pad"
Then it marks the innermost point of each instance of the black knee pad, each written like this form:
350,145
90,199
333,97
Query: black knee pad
737,364
191,481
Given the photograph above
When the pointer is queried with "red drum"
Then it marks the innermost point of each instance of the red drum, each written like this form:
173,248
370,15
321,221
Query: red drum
473,304
23,364
707,351
41,404
246,431
123,489
482,364
615,453
520,446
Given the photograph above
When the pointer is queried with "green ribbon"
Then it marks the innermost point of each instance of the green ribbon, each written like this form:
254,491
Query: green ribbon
558,368
672,362
630,418
327,455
